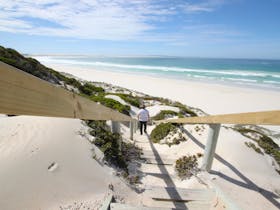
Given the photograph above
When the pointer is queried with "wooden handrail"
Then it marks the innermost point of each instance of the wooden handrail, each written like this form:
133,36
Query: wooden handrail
23,94
250,118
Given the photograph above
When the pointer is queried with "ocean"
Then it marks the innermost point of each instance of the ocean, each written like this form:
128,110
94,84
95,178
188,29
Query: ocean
257,73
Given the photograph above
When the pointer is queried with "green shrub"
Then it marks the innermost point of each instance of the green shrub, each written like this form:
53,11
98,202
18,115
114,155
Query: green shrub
265,142
161,131
132,100
111,103
90,89
73,82
163,114
108,143
253,146
184,110
186,166
29,65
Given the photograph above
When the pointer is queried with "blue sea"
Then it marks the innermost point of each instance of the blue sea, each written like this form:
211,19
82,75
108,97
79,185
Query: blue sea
258,73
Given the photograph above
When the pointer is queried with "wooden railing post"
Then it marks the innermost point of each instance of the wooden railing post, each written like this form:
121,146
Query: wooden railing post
116,127
131,127
210,147
135,125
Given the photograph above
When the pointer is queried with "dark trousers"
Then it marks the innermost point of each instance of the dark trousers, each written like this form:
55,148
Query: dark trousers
143,123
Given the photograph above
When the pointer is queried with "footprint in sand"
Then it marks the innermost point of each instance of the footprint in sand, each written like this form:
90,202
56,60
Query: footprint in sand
53,166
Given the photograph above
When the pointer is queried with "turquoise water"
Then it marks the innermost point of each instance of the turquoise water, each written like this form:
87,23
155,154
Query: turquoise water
249,72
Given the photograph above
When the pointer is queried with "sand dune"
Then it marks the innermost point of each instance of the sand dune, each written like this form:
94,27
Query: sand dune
46,164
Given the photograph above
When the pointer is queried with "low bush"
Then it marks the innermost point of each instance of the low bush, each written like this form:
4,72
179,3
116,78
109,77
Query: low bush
161,131
132,100
164,114
253,146
108,143
73,82
90,89
186,166
111,103
265,142
184,110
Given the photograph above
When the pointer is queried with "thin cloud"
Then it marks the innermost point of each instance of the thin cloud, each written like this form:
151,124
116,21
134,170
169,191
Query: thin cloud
136,20
113,20
206,6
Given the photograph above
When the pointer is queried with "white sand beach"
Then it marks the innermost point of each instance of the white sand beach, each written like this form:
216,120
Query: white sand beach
46,163
211,98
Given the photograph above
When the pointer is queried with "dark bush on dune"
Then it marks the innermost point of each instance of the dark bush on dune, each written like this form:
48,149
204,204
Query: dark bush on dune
161,131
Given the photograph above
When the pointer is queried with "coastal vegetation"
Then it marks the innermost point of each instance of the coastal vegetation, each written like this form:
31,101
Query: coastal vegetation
90,89
132,100
116,152
161,131
254,147
165,114
265,142
111,103
186,166
29,65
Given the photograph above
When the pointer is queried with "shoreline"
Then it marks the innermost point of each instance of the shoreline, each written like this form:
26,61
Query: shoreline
211,98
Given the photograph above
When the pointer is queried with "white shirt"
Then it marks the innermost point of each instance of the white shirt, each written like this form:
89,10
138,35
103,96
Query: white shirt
143,115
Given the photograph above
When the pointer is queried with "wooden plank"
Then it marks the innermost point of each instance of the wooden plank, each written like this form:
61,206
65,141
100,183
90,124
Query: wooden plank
250,118
193,205
158,161
23,94
119,206
156,169
180,194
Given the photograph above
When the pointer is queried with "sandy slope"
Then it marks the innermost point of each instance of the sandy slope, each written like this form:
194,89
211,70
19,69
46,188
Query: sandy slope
29,146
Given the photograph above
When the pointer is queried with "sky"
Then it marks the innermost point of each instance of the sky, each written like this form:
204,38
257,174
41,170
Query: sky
201,28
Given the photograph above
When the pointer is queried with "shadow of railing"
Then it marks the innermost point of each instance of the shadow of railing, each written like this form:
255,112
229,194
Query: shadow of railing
248,184
167,179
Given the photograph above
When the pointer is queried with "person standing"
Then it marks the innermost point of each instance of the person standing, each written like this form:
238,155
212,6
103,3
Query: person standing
143,117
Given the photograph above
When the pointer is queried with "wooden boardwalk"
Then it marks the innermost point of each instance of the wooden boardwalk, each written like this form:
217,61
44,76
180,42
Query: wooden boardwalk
159,169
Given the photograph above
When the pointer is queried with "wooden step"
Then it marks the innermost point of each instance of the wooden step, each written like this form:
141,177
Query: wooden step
179,194
119,206
157,169
158,161
193,205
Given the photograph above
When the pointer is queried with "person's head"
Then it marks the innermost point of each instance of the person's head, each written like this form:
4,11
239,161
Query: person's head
143,106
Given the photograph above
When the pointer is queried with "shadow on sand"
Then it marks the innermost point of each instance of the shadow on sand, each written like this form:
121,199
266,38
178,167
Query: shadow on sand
166,177
248,184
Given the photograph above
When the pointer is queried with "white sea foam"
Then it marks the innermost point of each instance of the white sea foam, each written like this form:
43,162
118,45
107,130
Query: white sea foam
235,76
159,68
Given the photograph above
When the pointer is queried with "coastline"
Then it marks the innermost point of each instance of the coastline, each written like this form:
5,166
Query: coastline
211,98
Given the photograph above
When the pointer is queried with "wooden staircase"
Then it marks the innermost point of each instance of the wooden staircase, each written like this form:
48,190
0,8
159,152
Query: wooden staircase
159,167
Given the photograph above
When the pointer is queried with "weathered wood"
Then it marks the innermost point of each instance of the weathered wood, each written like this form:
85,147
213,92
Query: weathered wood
24,94
131,128
156,169
120,206
251,118
193,205
116,127
158,161
180,194
135,125
210,148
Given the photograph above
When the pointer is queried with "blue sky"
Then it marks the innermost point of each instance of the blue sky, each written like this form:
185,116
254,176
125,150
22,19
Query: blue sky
207,28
